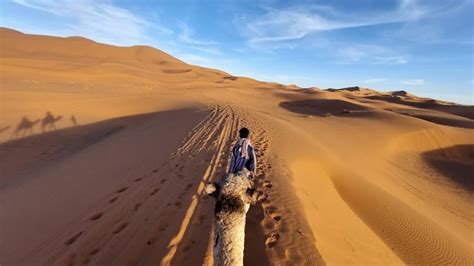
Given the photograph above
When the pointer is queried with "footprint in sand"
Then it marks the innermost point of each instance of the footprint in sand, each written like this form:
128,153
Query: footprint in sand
276,218
120,190
154,191
272,240
73,239
90,255
267,185
151,241
201,219
268,224
189,186
137,206
261,195
163,227
96,216
120,228
177,204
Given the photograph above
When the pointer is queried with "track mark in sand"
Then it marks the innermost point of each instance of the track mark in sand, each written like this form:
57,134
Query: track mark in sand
272,240
137,206
111,230
153,192
188,187
211,137
120,228
276,218
151,241
90,255
73,239
267,185
96,216
122,189
163,227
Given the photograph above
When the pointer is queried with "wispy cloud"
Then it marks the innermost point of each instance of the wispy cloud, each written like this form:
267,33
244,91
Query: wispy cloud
299,21
372,54
99,20
186,36
413,82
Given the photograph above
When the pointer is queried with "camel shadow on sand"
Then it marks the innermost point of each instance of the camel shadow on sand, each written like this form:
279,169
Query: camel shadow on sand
26,126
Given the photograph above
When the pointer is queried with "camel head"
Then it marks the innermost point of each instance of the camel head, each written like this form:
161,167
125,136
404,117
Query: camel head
234,193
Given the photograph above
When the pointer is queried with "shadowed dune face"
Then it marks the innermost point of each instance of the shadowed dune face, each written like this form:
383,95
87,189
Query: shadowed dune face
321,107
464,111
456,163
439,118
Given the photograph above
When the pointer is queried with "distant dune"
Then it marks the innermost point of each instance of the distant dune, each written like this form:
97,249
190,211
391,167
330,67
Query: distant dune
105,150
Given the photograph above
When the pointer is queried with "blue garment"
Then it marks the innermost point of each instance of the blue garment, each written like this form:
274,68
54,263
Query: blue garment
238,162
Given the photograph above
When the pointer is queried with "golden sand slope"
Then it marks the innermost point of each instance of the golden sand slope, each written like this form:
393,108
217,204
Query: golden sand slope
348,176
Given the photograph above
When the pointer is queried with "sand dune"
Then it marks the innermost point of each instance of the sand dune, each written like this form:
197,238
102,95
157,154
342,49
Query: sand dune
114,173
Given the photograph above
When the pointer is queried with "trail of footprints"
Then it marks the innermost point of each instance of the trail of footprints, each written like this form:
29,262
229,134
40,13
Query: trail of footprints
134,194
190,148
263,187
286,240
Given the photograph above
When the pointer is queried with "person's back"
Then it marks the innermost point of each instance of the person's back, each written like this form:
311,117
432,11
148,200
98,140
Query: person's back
243,154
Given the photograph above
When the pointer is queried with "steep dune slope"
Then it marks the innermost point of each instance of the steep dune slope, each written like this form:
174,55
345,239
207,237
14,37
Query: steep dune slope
350,176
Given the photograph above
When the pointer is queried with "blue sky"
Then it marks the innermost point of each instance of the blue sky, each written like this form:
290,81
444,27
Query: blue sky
425,47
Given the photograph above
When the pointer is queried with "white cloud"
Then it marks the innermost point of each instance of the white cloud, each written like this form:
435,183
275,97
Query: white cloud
299,21
372,54
98,20
186,39
413,82
186,36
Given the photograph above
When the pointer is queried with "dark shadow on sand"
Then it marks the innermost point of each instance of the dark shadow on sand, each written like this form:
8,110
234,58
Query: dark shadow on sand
445,120
254,251
324,107
460,110
456,163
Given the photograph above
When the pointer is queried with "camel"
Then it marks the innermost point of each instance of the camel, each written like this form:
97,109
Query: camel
233,194
25,126
49,121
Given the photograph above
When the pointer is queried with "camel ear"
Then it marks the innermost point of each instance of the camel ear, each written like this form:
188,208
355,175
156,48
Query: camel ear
211,189
251,194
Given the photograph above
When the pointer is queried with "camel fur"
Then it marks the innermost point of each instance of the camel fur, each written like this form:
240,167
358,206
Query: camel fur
233,194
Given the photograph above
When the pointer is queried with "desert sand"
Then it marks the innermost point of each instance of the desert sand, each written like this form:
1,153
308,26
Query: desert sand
114,174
